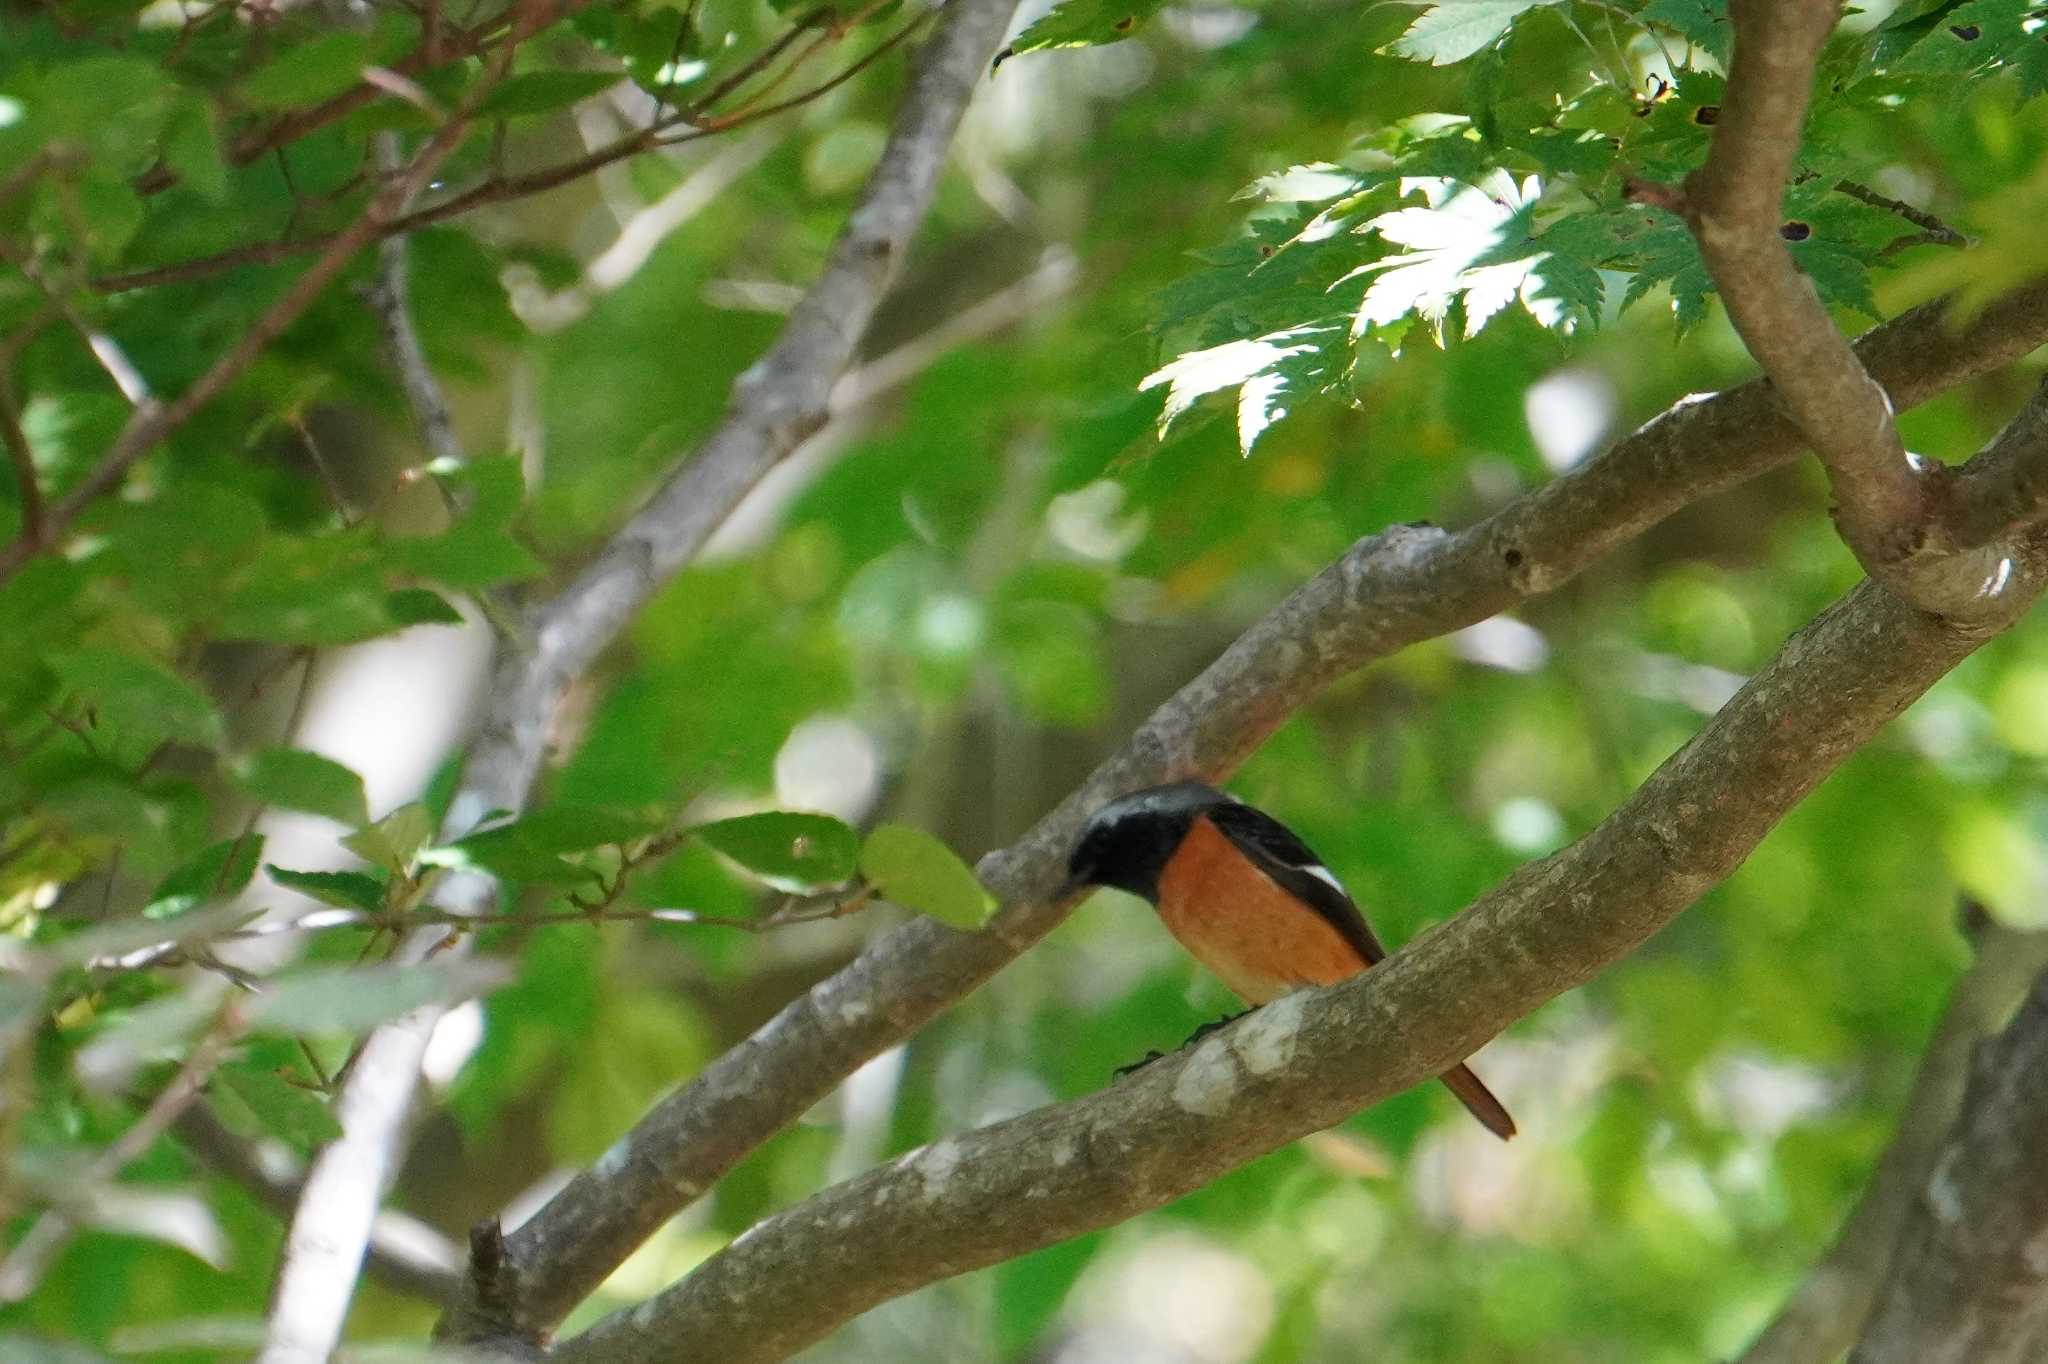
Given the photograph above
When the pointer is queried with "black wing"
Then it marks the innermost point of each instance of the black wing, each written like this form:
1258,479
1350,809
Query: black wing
1273,849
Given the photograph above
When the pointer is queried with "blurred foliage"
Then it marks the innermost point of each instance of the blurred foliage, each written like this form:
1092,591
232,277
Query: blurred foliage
1428,295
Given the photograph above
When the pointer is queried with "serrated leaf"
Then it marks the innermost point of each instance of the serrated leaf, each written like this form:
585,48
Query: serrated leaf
1703,23
913,869
1228,366
342,889
313,71
1454,30
218,871
790,850
1082,23
277,1107
395,840
352,998
293,779
1474,249
1315,183
140,698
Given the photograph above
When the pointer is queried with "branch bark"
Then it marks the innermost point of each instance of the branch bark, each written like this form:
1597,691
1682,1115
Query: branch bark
1969,1281
1821,1318
1312,1059
1888,508
1391,590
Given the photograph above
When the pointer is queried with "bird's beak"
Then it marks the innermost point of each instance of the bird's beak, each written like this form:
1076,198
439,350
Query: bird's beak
1069,888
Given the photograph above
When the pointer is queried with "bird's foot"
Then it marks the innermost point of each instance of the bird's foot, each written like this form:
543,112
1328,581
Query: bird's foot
1199,1033
1134,1066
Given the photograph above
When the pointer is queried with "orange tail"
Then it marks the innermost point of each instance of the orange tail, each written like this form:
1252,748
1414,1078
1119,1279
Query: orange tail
1479,1099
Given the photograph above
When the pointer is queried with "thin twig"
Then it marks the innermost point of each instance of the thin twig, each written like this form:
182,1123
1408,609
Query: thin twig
505,189
1819,1321
27,487
1933,231
1391,590
24,1265
153,421
1887,509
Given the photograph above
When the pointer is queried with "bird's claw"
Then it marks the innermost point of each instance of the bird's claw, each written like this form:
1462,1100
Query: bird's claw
1149,1058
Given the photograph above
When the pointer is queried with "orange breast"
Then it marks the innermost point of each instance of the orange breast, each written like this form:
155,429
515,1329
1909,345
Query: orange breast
1257,938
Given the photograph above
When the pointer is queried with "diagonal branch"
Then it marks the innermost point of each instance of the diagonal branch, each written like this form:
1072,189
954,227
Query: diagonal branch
1969,1280
1313,1059
1391,590
1820,1320
330,1228
1888,509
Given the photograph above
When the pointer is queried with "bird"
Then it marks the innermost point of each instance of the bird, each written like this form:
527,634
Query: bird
1245,896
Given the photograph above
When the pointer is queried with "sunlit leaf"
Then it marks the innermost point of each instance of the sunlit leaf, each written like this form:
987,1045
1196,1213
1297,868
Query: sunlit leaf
917,871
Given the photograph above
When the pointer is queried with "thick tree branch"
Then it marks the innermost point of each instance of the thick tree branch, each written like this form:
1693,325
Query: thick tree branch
1390,591
1820,1320
1888,510
2008,485
1969,1281
776,403
1313,1059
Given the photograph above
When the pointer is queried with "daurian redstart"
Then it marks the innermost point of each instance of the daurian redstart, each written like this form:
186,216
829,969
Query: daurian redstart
1245,896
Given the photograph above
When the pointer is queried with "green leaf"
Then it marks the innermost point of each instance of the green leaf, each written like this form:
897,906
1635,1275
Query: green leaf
915,870
1082,23
1454,30
1703,23
220,870
791,851
419,606
1473,249
138,697
192,150
352,998
1239,365
542,92
342,889
311,72
264,1103
469,554
492,488
395,840
532,848
294,779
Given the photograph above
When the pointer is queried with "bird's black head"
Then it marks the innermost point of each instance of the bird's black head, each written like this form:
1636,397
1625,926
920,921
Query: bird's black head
1125,844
